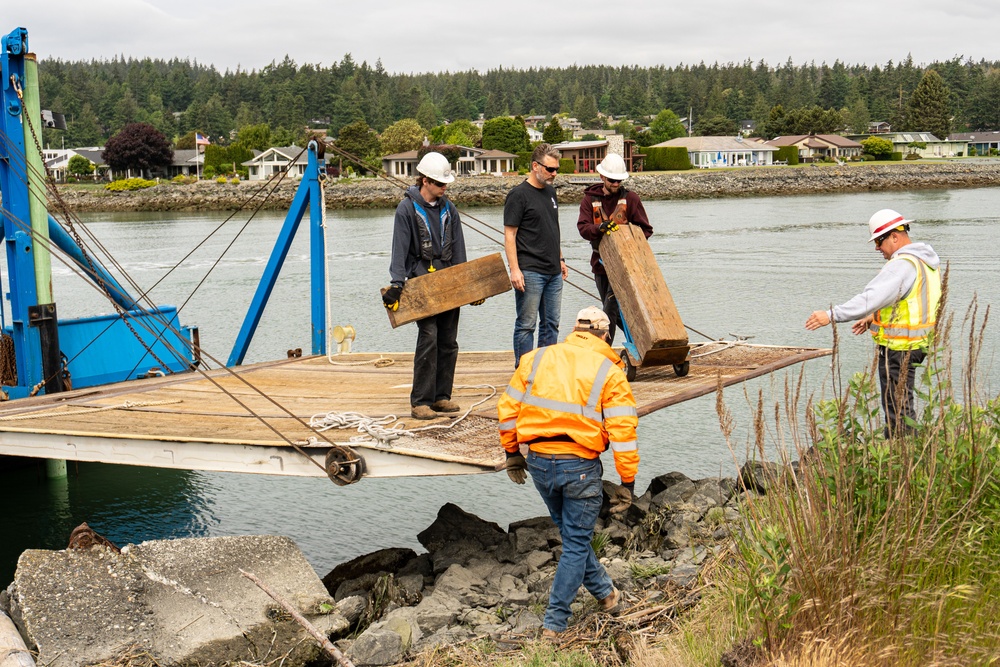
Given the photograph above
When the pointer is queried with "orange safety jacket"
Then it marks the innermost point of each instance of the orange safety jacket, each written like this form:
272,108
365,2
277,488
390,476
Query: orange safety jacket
572,398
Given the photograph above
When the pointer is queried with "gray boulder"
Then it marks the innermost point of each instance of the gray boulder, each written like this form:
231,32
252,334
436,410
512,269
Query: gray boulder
453,521
378,562
376,646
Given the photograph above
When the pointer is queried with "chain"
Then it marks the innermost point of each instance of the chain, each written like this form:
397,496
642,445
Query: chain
71,228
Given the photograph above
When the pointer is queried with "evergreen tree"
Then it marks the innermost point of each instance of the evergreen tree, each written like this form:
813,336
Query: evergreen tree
928,110
666,126
553,132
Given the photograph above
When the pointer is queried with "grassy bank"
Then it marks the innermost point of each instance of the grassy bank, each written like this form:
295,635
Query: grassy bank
865,551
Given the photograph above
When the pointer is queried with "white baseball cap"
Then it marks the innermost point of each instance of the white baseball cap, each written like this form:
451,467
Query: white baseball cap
593,317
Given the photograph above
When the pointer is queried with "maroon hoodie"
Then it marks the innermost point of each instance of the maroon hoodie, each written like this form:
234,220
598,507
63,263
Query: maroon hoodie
634,213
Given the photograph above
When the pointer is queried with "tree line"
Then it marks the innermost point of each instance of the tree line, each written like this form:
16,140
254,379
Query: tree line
178,96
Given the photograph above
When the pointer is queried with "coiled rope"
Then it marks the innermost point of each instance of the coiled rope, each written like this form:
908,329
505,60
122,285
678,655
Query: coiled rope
378,429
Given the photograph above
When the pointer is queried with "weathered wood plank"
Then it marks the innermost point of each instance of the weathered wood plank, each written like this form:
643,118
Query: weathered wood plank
643,296
450,288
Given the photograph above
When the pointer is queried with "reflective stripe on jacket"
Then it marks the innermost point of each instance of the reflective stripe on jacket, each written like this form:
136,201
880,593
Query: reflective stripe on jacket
906,324
572,398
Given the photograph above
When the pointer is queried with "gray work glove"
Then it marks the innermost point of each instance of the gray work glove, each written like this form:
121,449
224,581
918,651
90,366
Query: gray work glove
621,499
516,467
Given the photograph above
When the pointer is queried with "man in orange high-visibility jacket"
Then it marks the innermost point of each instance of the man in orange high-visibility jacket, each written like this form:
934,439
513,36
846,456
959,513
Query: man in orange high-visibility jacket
567,403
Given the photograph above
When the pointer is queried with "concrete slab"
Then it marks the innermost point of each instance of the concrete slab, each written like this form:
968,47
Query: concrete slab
182,601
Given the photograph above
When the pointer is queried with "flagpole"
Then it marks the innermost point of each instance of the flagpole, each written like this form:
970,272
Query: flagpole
197,165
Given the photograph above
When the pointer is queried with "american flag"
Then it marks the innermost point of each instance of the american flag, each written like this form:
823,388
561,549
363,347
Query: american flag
201,139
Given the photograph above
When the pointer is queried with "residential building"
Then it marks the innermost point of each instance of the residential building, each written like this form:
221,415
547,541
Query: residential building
706,152
586,155
983,142
534,135
879,127
471,162
186,162
275,160
814,147
911,142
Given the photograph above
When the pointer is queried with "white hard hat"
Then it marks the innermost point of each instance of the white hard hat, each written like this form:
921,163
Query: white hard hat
435,167
613,167
593,317
885,221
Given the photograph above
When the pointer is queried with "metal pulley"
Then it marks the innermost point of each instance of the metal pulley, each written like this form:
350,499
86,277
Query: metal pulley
343,465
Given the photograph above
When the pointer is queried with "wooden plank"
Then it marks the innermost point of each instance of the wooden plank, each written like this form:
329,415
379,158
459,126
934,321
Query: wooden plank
642,293
450,288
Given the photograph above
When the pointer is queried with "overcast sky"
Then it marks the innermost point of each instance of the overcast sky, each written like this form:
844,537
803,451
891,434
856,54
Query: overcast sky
422,36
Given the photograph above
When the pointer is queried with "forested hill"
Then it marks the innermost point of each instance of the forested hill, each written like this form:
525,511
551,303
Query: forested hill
176,96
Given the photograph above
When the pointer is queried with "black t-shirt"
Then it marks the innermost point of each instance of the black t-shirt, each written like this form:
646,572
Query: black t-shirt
535,213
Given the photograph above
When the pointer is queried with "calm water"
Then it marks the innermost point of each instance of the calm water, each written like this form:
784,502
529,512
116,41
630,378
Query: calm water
753,267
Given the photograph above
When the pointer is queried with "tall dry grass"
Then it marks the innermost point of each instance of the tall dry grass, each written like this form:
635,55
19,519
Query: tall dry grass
877,551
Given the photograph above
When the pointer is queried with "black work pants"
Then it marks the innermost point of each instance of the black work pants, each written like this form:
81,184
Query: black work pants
435,358
898,402
609,302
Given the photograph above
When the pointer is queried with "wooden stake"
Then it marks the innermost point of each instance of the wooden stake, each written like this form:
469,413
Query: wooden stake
301,620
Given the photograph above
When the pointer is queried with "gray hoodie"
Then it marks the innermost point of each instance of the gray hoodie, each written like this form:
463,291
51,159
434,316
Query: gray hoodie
892,283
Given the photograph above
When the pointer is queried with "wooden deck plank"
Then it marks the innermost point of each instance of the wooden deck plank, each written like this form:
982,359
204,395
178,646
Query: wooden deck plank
194,409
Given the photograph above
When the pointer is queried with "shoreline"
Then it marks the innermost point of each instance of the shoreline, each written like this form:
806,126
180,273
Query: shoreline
491,190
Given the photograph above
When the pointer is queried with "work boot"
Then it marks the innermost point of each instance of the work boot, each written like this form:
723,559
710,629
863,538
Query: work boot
610,604
444,405
551,636
423,412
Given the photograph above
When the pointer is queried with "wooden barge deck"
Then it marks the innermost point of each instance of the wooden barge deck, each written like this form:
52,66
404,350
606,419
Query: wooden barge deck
188,421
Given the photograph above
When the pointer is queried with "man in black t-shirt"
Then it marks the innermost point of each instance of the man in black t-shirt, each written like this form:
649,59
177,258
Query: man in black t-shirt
531,242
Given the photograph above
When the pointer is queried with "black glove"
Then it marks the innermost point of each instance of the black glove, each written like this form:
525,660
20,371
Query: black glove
608,226
390,298
478,303
516,468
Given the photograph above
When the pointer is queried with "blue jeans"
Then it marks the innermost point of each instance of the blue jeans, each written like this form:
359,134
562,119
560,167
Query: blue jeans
540,300
572,491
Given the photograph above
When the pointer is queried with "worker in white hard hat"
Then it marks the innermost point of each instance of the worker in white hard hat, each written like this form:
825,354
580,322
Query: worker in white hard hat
566,404
606,206
427,236
899,307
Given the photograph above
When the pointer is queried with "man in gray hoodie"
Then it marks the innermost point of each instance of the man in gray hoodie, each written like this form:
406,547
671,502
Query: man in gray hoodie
899,307
427,236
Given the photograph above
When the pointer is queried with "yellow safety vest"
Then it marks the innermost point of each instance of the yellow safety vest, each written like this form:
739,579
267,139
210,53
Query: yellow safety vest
906,324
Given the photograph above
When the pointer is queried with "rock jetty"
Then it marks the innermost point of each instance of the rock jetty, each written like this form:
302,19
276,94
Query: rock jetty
490,190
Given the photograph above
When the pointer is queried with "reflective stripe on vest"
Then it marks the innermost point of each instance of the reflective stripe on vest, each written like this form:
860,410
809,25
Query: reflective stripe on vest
588,411
906,324
426,241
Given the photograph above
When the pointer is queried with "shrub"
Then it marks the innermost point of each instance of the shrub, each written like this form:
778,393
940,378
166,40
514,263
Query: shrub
523,161
973,152
896,156
789,153
235,180
567,166
868,157
912,156
667,158
208,172
877,146
221,179
127,184
71,179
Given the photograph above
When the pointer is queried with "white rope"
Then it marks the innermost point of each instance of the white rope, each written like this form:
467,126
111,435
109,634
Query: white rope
724,345
377,428
127,405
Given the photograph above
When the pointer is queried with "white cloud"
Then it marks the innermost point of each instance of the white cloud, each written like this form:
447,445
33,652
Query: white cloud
420,36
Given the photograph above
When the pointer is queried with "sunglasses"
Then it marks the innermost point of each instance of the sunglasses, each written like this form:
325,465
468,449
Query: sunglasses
614,180
880,240
551,170
437,183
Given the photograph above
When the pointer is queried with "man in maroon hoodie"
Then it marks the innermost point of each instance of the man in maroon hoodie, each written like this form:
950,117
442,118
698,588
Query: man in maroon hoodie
605,206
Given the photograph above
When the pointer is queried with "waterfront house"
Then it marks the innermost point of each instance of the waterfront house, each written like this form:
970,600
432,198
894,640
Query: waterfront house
586,155
983,142
814,147
923,144
275,160
186,162
471,162
707,152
